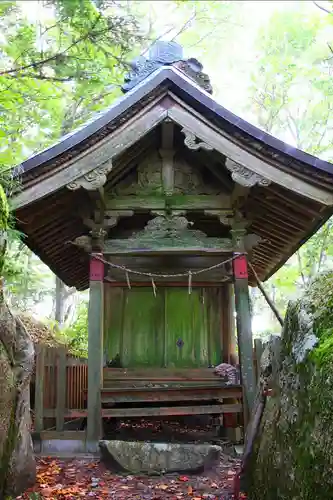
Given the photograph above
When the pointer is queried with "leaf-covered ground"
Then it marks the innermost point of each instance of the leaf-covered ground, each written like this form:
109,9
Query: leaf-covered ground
70,479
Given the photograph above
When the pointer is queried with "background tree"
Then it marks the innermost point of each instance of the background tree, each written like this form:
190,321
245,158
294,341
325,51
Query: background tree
292,98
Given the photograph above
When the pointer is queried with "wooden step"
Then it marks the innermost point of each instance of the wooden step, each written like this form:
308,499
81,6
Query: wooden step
171,410
150,394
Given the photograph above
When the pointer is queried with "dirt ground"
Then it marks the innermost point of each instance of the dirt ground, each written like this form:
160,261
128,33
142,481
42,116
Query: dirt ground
77,478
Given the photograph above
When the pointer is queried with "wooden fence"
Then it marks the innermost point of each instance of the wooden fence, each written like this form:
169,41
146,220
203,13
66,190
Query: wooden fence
59,386
62,379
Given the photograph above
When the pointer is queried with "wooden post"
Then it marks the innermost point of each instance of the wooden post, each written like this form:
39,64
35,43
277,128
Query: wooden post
61,389
244,328
95,353
258,350
39,389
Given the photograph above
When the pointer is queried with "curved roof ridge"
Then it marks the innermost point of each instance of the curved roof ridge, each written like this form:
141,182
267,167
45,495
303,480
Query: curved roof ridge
187,87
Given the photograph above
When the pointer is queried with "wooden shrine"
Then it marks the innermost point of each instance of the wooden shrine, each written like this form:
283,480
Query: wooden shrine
156,206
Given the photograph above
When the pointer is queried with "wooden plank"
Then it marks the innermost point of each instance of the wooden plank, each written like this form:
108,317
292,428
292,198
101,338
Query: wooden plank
170,411
176,202
69,414
225,392
39,388
95,356
111,249
113,145
70,435
157,395
160,373
238,154
61,389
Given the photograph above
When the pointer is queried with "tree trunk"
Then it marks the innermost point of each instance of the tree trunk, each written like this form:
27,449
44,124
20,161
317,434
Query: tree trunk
17,470
59,301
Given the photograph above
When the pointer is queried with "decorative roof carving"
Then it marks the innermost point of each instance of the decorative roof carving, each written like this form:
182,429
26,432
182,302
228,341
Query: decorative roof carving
244,176
168,231
164,53
94,179
191,141
193,69
147,179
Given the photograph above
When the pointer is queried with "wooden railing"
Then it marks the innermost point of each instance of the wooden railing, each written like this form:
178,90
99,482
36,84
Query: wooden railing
61,383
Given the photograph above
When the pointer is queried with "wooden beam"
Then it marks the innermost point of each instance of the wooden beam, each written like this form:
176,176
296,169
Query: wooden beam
239,155
107,149
172,410
166,284
177,202
95,354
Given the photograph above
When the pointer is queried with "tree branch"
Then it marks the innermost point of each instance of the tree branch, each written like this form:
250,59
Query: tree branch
322,8
51,58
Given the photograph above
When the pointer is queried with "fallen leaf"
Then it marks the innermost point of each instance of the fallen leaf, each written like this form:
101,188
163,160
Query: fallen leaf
163,487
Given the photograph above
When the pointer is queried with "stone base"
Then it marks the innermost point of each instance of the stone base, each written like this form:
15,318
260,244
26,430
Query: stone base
158,458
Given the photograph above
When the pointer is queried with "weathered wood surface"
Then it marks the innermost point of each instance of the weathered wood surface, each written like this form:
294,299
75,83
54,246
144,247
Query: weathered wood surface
159,374
39,388
61,389
113,145
175,202
167,394
172,411
232,150
95,358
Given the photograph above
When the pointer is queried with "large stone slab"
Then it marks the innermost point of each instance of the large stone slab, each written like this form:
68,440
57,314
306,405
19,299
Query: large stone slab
157,458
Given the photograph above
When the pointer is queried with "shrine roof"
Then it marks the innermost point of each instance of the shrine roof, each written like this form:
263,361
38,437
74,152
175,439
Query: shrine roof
285,211
169,78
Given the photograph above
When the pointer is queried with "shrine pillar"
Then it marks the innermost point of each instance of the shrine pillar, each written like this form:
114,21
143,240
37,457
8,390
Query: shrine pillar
95,352
243,320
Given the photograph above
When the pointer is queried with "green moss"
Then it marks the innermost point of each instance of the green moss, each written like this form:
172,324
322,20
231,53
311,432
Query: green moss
320,301
11,435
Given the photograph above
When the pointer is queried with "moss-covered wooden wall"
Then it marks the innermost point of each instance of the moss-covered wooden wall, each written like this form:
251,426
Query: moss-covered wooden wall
175,328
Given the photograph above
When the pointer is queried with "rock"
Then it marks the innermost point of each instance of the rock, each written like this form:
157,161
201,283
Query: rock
157,458
292,454
16,364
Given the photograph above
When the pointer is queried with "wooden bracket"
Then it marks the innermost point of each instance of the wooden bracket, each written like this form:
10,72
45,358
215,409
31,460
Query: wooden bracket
92,180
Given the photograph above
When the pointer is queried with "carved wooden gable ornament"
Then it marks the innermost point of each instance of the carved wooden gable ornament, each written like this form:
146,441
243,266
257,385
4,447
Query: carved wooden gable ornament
147,179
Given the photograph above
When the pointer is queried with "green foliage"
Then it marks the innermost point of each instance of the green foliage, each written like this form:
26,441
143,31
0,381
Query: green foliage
292,98
76,335
56,72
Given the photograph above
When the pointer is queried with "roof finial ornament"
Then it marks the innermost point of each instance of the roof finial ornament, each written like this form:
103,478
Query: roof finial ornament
164,53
